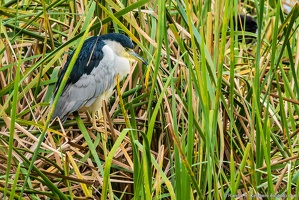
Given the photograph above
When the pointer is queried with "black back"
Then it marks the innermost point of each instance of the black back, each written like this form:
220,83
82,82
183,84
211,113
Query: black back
85,61
245,23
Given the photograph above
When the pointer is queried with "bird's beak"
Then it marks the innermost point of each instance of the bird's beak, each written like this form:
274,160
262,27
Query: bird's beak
135,56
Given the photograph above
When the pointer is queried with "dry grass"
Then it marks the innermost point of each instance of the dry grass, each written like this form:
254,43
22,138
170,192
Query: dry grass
209,118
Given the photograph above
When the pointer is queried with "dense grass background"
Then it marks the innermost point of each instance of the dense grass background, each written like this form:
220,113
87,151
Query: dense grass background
211,117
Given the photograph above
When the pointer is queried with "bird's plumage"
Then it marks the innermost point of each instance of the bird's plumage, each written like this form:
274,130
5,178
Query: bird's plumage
93,76
245,23
119,38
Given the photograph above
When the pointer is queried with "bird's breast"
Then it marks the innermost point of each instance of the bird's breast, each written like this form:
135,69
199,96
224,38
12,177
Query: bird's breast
121,66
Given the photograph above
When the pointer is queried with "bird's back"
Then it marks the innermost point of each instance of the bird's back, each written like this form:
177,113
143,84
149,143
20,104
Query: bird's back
90,77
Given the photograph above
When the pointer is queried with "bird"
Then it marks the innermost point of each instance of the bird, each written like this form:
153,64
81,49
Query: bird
93,77
245,23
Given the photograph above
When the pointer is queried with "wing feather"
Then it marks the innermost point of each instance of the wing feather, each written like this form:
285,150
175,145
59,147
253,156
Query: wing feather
91,76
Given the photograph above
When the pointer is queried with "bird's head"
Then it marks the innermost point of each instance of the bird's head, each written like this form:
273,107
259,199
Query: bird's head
122,46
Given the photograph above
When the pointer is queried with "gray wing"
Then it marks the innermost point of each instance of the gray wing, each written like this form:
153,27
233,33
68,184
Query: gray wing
88,87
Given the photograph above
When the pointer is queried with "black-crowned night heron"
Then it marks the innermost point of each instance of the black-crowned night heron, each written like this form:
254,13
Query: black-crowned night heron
93,77
245,23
